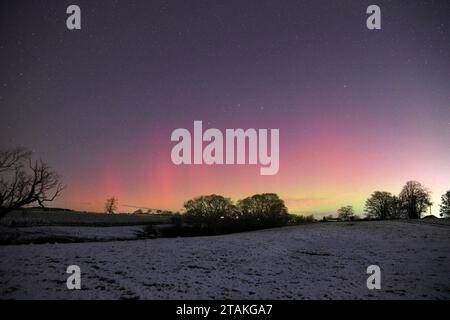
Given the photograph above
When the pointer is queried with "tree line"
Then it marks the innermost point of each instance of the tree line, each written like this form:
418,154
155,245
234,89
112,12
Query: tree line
413,201
24,181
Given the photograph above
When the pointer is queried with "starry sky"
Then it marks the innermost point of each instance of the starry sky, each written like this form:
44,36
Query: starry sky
358,110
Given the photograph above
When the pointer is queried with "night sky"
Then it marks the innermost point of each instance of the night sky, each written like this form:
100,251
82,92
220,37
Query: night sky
358,110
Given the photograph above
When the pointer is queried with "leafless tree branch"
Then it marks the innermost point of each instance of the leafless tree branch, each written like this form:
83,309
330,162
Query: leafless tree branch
24,181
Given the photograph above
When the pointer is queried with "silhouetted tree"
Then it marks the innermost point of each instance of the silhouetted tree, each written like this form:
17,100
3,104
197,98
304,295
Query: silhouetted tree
445,204
415,199
111,205
346,213
266,210
381,205
210,208
25,181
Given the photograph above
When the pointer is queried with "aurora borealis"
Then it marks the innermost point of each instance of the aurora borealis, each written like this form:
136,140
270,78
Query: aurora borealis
358,110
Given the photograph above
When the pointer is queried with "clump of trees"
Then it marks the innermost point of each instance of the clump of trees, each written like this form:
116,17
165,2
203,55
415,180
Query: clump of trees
413,200
24,181
263,210
219,214
210,209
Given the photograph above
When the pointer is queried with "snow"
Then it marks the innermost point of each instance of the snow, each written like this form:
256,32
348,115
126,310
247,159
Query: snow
314,261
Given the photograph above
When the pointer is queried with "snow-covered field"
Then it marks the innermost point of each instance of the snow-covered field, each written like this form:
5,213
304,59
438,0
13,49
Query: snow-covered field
315,261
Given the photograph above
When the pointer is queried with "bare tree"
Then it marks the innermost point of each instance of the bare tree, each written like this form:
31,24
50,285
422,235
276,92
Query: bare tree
380,205
415,199
11,158
346,213
398,211
111,205
24,181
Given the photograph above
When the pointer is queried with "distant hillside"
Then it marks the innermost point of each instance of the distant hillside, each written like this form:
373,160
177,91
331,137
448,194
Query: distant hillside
64,217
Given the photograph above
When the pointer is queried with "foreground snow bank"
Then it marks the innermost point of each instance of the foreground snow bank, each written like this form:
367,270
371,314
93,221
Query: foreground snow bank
315,261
